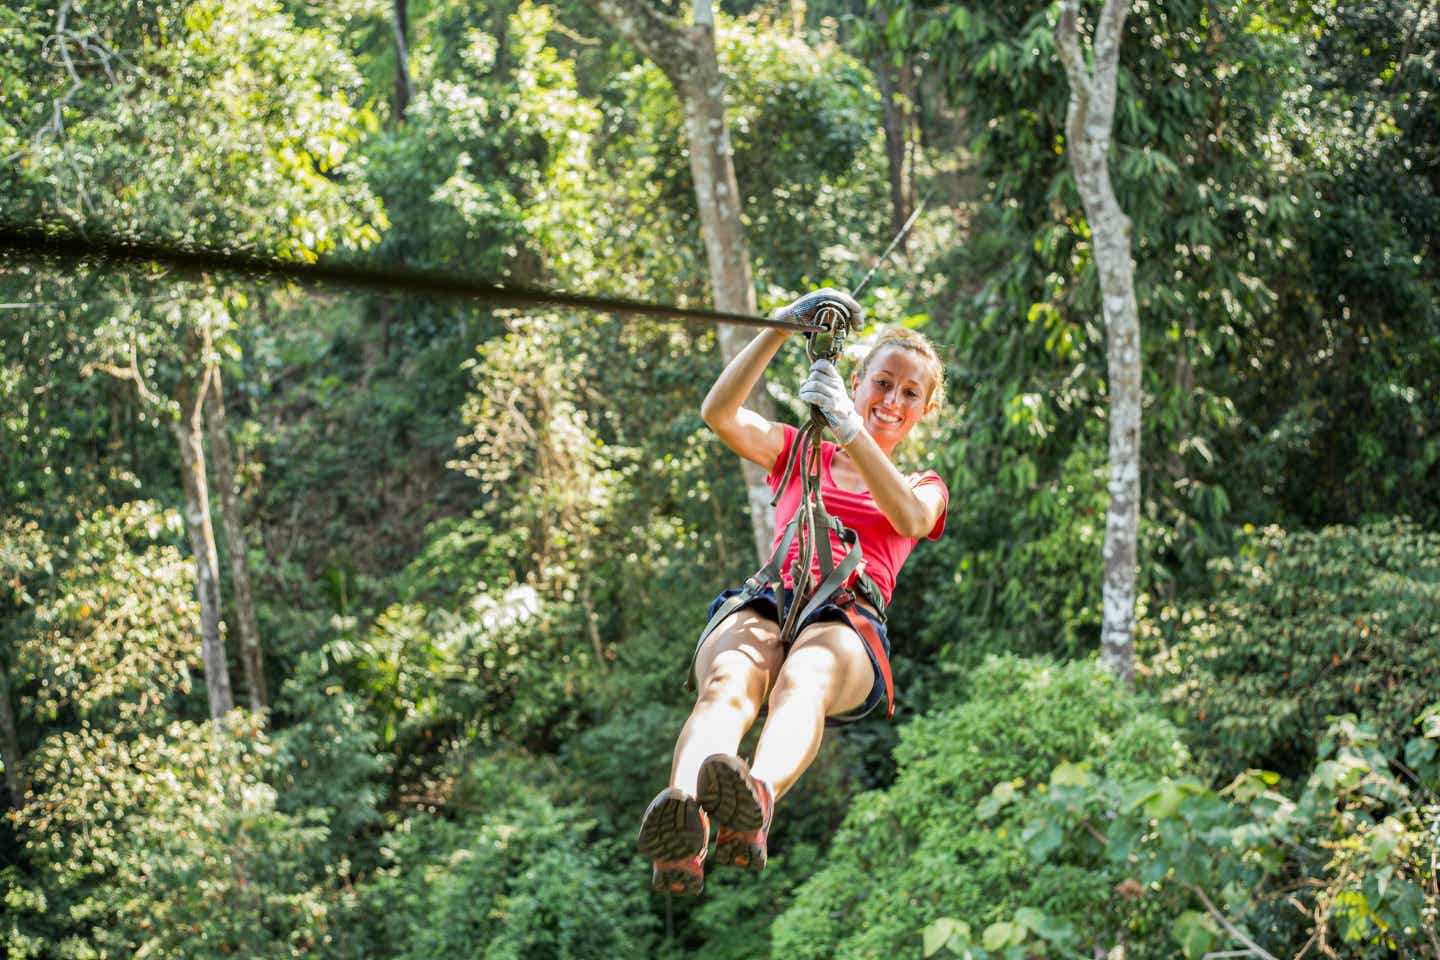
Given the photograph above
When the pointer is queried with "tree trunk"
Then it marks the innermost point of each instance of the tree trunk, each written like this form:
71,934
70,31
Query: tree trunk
687,58
189,433
1088,123
10,746
403,92
251,656
893,120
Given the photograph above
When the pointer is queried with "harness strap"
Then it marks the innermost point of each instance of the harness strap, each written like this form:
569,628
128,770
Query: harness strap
862,625
812,525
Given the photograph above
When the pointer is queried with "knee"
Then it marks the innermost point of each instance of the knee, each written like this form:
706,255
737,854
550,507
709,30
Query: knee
723,688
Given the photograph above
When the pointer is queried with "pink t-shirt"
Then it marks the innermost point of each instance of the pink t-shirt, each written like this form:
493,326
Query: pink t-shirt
884,549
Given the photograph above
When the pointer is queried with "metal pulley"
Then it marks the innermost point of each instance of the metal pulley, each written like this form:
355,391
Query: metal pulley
833,322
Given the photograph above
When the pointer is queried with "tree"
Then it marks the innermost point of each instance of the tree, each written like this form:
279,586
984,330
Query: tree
10,760
687,58
123,153
1089,119
189,429
252,657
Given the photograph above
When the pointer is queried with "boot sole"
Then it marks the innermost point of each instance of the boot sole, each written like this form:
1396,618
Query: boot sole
727,797
741,853
671,828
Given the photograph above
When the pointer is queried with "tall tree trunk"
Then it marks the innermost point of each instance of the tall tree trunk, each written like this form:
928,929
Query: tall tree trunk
894,122
189,433
1088,123
251,657
403,91
10,745
686,55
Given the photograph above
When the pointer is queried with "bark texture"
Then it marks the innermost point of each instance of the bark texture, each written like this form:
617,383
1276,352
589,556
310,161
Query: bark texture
897,97
10,746
401,25
1088,124
686,55
251,657
189,434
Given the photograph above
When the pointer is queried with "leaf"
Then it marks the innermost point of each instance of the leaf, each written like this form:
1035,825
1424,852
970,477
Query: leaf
1041,838
1002,794
1429,722
1164,803
1044,926
1070,775
1384,839
1002,934
1195,932
939,933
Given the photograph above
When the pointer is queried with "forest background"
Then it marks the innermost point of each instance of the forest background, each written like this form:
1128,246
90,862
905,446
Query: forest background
462,551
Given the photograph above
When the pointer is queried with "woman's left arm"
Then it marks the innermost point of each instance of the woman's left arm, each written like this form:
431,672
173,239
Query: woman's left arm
912,511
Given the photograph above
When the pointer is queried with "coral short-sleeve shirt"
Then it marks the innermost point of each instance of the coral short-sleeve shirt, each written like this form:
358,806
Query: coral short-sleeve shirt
884,549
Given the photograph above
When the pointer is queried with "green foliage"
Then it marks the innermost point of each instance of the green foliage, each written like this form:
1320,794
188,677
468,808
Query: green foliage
109,636
1304,626
930,846
512,875
326,765
164,844
1287,300
808,218
1347,863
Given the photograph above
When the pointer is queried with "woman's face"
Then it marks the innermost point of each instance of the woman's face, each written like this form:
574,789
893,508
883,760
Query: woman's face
893,394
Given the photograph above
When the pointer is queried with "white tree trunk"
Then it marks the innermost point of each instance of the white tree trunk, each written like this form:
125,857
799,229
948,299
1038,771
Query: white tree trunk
251,656
686,55
189,433
1088,123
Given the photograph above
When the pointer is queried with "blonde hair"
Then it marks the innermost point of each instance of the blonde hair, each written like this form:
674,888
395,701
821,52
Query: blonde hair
915,342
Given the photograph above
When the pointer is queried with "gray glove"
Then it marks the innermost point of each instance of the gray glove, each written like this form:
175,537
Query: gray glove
826,390
804,309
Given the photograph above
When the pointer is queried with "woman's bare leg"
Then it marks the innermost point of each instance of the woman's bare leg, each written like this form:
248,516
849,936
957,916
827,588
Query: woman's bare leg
736,668
826,672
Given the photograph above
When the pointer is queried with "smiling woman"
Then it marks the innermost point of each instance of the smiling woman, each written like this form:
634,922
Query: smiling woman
836,669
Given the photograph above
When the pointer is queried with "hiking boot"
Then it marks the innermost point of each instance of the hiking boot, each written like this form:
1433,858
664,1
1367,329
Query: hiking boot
742,807
674,835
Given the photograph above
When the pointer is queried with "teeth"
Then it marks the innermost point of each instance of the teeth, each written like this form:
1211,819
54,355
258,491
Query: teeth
884,419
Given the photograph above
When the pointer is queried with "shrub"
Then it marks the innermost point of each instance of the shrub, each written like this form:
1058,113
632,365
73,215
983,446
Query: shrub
1347,863
165,844
522,878
922,849
1302,627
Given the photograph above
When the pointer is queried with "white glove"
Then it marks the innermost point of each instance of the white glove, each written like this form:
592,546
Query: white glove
826,390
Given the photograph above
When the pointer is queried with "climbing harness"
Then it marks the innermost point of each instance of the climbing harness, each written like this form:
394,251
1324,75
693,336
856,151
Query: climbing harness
811,526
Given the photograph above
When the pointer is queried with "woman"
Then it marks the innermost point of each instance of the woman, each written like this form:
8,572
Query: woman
829,673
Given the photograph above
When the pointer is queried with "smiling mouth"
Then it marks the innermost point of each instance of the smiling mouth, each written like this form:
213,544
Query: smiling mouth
884,418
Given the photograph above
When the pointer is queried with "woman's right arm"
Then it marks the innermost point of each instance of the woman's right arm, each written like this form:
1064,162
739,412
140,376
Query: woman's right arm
744,431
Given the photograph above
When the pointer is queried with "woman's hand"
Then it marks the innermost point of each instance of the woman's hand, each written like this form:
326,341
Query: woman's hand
824,389
804,309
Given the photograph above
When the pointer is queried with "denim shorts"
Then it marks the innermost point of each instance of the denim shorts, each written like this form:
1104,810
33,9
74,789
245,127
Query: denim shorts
764,604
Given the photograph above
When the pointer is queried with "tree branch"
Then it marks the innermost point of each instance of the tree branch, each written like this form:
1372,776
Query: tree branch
1108,32
656,36
1230,928
132,372
1067,44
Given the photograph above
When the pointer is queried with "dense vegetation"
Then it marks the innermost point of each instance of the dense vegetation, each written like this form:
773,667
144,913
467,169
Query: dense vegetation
478,540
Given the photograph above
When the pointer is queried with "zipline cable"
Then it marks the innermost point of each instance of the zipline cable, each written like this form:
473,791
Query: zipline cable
33,243
904,229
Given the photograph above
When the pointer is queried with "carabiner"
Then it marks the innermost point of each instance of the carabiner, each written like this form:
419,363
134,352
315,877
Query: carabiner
832,318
